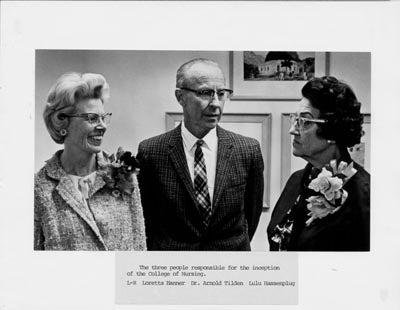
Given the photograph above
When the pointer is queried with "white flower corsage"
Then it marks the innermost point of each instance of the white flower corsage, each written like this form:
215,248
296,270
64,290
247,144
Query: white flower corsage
329,183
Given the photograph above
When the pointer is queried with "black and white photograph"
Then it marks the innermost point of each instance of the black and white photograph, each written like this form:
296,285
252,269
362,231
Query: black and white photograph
166,193
198,155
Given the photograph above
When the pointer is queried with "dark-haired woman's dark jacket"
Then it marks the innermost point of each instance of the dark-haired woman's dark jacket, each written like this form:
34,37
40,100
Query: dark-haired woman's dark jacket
346,230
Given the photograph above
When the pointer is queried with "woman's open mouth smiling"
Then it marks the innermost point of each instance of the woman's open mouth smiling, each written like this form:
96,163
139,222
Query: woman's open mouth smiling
95,140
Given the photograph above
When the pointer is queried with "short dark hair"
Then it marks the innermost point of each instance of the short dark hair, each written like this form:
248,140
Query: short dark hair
338,104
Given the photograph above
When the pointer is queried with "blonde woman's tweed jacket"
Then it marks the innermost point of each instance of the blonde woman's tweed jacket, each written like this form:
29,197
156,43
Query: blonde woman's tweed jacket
64,222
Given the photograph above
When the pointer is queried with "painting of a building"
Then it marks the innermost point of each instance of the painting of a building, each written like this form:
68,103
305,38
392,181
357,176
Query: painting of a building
284,66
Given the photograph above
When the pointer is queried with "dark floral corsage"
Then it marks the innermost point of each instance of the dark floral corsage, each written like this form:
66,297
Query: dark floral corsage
329,184
118,172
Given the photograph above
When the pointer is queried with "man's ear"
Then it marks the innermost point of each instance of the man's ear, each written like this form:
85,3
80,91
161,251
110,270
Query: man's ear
179,97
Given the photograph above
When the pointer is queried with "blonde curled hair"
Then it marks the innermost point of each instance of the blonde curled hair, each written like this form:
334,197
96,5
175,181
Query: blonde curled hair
68,90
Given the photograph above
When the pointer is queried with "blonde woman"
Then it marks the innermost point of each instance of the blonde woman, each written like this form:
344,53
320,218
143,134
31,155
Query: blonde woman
76,208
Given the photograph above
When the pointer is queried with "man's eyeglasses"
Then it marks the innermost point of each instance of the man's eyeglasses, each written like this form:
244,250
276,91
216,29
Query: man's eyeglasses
208,94
302,122
94,118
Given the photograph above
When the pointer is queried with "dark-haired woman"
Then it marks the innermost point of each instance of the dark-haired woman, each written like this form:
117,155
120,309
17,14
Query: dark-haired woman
326,205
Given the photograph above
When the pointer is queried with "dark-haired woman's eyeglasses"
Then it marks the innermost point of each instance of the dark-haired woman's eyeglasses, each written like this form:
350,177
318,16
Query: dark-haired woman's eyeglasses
302,122
94,118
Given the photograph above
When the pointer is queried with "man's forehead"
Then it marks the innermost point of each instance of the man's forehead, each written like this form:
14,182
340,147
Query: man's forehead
203,71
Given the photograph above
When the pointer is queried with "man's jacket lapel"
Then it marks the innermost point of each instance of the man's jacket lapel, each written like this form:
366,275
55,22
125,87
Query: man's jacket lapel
178,159
225,147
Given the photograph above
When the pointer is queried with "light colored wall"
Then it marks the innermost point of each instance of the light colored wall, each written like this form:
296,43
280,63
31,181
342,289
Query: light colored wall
355,69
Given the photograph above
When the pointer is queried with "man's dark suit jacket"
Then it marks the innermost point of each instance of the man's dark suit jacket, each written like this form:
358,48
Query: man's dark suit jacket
346,230
172,218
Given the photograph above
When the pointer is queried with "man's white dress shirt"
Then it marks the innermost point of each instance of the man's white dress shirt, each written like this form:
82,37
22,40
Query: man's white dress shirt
209,148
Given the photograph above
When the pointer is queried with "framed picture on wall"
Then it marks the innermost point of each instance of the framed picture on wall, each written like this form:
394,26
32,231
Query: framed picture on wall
257,126
274,75
360,153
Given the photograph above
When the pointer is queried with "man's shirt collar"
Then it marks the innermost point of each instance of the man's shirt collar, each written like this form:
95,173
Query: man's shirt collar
189,140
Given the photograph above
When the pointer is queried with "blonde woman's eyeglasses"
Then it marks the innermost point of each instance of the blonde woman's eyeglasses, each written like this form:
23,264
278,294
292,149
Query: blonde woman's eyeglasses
94,118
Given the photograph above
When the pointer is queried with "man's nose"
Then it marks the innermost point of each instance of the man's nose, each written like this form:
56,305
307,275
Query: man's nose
215,100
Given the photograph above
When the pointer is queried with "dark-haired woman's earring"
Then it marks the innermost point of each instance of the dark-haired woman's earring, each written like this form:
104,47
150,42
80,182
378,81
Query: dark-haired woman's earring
331,142
63,132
